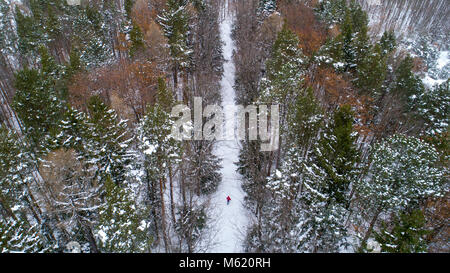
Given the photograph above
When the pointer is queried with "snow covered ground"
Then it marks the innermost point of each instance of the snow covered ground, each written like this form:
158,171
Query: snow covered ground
441,64
230,221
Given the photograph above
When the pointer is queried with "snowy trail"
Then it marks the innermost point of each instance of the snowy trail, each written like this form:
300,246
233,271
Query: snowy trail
230,220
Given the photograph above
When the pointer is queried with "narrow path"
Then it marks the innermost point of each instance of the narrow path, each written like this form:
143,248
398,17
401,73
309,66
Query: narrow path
231,220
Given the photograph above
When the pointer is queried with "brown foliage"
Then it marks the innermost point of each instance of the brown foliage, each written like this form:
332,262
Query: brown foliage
155,41
301,19
419,65
126,86
271,26
59,170
437,213
331,88
334,90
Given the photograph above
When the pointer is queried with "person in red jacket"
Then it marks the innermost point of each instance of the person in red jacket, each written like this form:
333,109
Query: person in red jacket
228,200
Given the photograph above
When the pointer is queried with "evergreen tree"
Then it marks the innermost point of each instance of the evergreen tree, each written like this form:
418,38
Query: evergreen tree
322,221
120,227
304,121
372,72
91,35
325,173
136,38
37,104
332,11
73,132
164,96
284,70
403,171
17,232
108,141
203,167
407,85
175,24
20,236
278,230
159,153
128,7
29,32
337,155
75,63
407,234
349,49
388,42
267,6
72,197
311,221
433,106
52,26
13,172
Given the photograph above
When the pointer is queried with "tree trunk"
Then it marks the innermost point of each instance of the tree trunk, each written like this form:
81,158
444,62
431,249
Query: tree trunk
371,226
175,82
163,215
172,203
90,236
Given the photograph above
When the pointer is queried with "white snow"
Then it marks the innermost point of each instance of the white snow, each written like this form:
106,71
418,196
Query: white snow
230,220
443,59
442,62
430,82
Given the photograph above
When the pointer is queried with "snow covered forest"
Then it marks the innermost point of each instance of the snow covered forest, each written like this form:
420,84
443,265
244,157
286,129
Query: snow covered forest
87,157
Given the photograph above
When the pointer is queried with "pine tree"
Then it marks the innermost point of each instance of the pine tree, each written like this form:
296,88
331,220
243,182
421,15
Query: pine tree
321,217
17,232
20,236
308,204
73,132
267,6
388,42
13,172
29,32
337,155
326,172
164,96
278,230
37,104
52,27
121,227
434,106
91,35
136,38
175,24
159,154
349,49
73,197
372,72
108,141
75,63
128,7
403,170
407,85
407,234
332,11
304,121
284,70
203,167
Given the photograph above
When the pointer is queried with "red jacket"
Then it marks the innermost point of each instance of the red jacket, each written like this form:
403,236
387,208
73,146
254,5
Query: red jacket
228,198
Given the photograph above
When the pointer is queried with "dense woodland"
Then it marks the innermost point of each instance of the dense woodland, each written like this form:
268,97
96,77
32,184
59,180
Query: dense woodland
85,147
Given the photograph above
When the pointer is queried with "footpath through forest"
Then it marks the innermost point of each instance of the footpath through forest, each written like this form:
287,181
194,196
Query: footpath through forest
230,220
